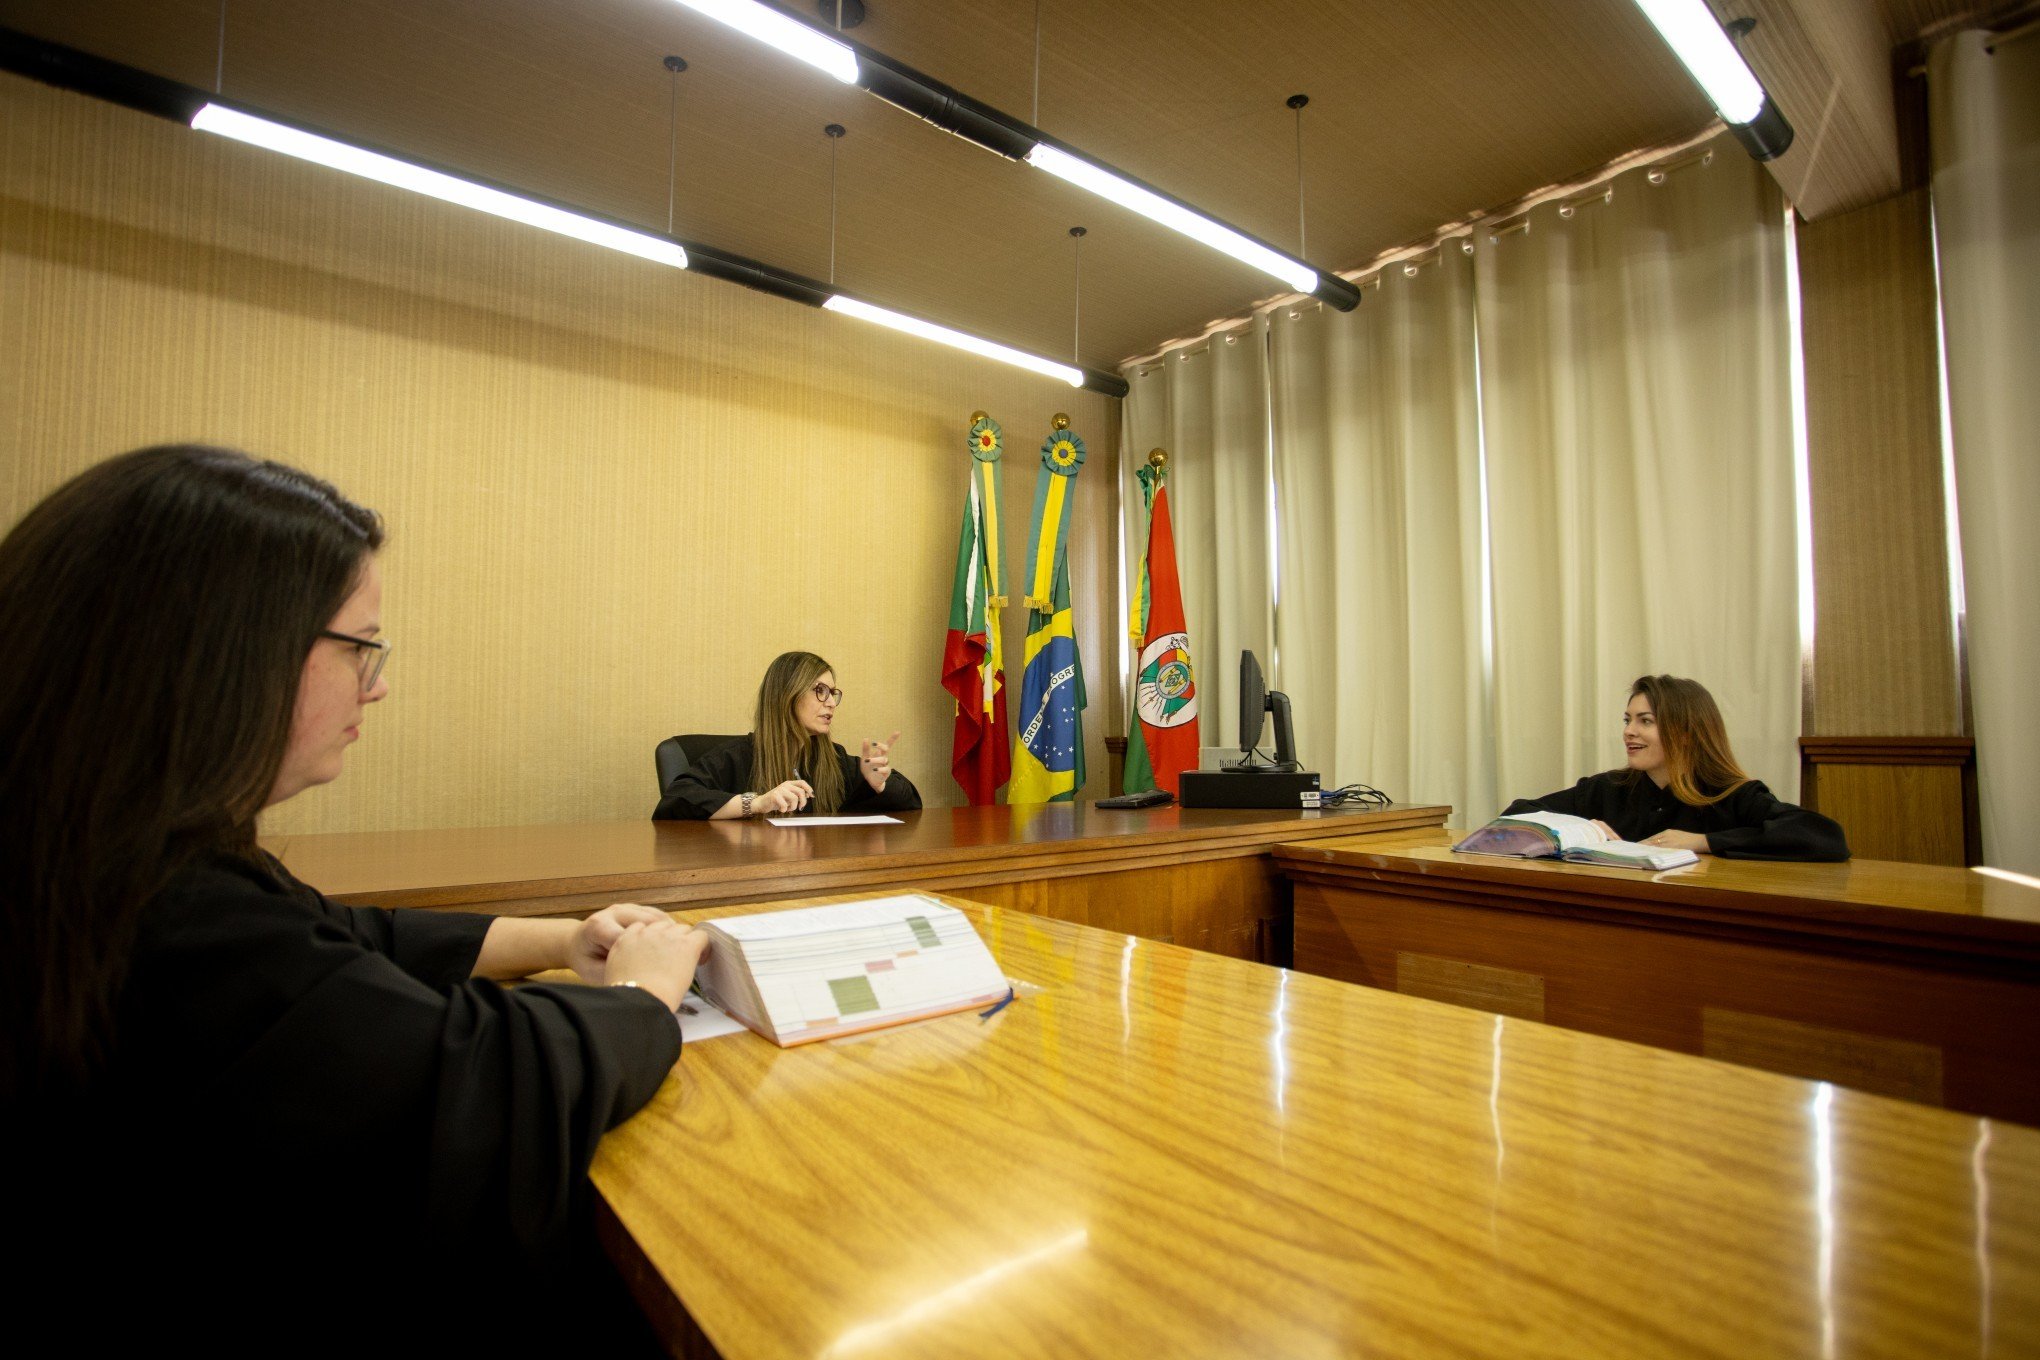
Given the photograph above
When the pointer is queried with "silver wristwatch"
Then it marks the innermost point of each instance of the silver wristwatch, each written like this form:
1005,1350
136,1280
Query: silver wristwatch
747,803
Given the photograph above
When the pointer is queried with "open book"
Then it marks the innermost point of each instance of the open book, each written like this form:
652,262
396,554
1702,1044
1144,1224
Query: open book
819,972
1541,835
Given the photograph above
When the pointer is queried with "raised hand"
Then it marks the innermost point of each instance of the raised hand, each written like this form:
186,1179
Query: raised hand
876,762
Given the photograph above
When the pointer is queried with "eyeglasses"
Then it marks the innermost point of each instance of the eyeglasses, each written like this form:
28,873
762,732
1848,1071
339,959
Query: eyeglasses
372,655
827,695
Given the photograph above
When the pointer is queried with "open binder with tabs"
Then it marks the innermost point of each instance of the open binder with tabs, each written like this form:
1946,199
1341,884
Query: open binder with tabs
1555,835
819,972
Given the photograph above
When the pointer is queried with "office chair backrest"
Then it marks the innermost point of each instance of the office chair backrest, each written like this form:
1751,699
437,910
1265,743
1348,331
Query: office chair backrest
676,755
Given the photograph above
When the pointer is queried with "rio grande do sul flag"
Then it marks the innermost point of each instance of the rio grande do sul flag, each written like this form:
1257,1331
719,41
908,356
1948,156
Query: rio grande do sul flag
973,663
1163,741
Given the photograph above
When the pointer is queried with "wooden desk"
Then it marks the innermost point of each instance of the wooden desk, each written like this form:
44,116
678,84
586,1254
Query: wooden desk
1196,876
1170,1153
1912,980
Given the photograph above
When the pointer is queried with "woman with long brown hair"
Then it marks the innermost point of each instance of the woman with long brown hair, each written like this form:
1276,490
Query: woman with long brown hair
788,764
262,1120
1682,788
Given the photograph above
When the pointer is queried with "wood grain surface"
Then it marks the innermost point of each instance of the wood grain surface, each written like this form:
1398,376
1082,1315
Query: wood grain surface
1167,1153
535,869
1904,979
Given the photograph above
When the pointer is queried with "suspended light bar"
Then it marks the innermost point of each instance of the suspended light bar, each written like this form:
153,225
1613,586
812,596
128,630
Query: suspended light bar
928,330
1691,31
67,68
955,112
1104,183
354,160
798,40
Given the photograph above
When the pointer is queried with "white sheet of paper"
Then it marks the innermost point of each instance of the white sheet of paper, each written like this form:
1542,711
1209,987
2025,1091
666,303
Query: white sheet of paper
834,821
701,1019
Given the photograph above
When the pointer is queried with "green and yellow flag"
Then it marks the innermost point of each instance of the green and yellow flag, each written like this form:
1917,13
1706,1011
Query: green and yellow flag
1048,767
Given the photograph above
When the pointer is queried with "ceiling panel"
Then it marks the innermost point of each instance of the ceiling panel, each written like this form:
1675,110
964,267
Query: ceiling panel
1419,114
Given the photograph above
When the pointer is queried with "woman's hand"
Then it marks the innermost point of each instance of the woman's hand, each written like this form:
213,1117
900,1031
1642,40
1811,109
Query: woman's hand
1680,840
591,944
659,956
791,796
1606,830
877,761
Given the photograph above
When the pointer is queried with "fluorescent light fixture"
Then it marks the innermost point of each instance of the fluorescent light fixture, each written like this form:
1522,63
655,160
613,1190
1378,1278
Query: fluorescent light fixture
1689,27
1102,182
784,32
243,127
928,330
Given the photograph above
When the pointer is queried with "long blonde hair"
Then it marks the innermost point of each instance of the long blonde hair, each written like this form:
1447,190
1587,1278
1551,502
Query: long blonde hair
1697,756
780,745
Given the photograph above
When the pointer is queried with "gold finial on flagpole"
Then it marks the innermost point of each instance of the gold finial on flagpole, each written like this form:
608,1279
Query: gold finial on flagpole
1158,458
976,416
1061,421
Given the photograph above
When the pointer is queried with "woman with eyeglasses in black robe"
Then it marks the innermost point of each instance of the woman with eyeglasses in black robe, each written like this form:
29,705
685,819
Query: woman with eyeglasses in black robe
788,764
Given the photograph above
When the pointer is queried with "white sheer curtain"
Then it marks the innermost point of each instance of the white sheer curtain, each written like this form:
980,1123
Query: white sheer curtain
1635,371
1381,625
1207,405
1984,121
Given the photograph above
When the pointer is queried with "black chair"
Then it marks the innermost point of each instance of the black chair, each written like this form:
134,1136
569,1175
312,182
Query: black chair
676,755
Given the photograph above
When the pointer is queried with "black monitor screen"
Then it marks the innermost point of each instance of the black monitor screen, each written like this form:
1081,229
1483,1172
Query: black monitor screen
1253,702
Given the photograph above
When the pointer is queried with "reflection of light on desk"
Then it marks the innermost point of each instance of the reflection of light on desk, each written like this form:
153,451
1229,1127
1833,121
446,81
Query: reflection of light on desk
1824,1207
1278,1043
1494,1100
1982,1179
963,1291
1126,993
2023,880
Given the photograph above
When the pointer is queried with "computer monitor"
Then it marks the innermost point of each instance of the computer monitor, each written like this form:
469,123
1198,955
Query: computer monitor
1256,699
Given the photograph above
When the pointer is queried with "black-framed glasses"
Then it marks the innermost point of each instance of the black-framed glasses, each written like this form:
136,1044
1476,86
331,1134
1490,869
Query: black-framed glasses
827,695
373,654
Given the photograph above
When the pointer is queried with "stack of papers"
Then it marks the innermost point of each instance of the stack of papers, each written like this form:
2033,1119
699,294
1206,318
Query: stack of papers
818,972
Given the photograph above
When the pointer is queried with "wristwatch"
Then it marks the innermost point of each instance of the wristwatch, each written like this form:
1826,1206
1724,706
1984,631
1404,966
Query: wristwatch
747,803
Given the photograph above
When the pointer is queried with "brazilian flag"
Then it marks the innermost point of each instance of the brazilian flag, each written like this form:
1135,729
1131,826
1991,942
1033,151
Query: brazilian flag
1048,767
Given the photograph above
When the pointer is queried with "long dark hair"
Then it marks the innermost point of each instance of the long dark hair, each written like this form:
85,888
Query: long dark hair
1700,766
155,613
780,745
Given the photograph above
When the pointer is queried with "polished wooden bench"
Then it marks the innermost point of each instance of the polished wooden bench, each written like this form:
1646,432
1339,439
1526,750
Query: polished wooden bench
1913,980
1164,1152
1196,876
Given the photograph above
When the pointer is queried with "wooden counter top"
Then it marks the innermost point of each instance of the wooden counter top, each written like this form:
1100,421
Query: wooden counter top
1169,1153
1916,904
577,867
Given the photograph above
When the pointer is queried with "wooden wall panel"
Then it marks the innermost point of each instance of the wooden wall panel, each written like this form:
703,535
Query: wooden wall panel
1903,812
1884,660
614,490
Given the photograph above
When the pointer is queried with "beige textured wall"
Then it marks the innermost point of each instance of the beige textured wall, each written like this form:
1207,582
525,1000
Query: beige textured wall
615,491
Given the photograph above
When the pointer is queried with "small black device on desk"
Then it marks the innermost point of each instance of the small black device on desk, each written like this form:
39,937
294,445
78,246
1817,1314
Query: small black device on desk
1146,798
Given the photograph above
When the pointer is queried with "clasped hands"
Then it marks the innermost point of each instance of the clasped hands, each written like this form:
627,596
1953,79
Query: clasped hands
631,943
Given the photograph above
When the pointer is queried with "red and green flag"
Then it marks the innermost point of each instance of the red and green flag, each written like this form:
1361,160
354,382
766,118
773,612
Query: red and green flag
1163,740
973,664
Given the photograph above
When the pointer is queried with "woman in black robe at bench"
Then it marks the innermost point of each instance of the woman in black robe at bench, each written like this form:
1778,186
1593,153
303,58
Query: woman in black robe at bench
1682,788
251,1120
788,764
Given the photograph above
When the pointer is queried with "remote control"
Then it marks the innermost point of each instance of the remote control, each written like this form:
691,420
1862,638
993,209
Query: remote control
1146,798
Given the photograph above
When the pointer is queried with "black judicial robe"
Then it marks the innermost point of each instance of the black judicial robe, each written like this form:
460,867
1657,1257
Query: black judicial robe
317,1133
1751,823
725,773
